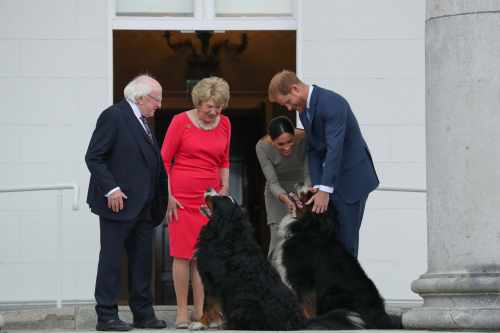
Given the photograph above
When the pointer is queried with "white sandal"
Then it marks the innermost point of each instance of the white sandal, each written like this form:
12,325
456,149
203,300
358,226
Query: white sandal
197,326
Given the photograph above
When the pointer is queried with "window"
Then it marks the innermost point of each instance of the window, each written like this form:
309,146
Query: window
205,8
233,8
182,8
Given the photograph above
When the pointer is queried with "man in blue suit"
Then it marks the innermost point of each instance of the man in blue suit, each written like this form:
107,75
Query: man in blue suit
340,163
128,191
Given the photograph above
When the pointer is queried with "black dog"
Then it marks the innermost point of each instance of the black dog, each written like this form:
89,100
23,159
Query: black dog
238,279
324,275
240,282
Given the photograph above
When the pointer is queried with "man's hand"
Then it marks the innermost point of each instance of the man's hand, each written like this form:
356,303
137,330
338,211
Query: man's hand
320,200
115,201
173,204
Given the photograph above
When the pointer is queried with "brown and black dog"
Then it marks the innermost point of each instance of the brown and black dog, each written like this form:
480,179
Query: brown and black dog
237,278
323,275
240,282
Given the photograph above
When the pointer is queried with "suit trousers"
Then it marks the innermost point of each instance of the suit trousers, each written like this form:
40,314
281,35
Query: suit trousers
134,238
349,217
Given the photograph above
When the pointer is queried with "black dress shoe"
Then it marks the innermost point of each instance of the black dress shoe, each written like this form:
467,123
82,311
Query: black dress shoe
113,325
152,323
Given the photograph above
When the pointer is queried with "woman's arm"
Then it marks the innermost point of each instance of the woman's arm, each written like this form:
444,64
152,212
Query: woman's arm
224,167
268,169
169,148
224,177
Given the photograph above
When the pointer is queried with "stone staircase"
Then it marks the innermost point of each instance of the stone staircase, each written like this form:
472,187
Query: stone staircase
83,318
68,318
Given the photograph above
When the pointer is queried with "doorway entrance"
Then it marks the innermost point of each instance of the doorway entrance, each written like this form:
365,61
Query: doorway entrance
247,60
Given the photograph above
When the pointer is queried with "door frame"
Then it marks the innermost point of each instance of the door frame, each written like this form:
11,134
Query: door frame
203,18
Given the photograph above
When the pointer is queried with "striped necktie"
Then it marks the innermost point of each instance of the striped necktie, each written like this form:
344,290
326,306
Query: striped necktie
146,127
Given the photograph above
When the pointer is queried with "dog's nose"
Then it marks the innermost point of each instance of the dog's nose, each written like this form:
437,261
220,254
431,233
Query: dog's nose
211,192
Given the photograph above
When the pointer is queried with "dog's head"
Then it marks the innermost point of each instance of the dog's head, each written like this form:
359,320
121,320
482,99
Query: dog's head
220,207
301,195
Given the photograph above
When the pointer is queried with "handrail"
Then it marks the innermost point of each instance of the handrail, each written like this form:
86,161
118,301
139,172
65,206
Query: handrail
400,189
74,187
60,253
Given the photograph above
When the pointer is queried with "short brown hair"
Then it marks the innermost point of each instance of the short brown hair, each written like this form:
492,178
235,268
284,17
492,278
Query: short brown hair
211,88
281,84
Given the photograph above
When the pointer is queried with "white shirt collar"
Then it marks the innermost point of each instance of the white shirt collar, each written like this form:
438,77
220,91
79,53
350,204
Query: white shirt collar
311,87
137,114
135,108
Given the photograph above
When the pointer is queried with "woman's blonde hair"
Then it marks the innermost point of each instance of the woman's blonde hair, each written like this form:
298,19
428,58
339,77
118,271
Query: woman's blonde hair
211,88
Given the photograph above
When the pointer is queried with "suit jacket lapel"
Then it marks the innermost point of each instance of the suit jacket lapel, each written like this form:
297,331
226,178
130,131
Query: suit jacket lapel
312,108
305,122
136,129
313,102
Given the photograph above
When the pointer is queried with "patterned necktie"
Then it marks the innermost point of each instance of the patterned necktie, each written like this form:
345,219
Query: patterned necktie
146,127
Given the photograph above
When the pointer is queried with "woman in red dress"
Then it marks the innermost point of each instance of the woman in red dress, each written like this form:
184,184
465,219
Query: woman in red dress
196,156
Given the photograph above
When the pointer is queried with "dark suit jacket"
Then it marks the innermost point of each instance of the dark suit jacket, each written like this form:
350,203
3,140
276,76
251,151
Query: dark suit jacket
121,154
338,154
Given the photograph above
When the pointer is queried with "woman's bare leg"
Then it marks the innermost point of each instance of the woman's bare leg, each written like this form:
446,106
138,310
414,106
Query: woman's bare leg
198,292
180,272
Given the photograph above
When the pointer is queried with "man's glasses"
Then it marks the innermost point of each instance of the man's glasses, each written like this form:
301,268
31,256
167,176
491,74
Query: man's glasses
155,98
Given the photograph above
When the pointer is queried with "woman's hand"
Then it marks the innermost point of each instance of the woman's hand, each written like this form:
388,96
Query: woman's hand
288,203
224,190
173,204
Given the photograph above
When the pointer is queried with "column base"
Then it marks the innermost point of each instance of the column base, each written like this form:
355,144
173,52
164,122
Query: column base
456,302
452,319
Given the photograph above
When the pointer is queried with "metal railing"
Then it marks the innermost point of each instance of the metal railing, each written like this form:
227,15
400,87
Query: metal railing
75,206
400,189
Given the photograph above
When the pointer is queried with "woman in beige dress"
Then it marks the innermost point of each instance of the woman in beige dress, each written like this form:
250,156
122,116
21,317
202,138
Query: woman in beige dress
282,157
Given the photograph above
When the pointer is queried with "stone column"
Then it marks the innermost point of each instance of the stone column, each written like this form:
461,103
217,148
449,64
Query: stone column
461,289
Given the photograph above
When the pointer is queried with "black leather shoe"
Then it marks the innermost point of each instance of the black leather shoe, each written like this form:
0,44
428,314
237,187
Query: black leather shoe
152,323
113,325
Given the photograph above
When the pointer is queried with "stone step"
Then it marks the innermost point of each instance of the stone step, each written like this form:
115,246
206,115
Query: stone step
69,317
83,318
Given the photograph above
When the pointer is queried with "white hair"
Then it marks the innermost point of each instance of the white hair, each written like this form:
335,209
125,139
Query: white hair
140,86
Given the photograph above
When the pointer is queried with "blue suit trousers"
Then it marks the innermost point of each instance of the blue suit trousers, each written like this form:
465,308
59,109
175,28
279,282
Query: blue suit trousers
348,217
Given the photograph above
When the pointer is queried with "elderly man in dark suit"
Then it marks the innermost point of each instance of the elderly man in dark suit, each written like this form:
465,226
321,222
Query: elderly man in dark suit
340,163
128,191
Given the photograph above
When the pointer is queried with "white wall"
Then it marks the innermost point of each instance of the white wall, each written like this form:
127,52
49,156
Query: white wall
372,53
54,80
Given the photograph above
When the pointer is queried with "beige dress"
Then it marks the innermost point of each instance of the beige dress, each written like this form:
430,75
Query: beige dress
282,173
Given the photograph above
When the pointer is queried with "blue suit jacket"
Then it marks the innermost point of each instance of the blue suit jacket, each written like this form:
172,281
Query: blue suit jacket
338,154
121,154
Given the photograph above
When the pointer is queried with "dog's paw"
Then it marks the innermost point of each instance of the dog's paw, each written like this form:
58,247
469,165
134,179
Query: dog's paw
356,320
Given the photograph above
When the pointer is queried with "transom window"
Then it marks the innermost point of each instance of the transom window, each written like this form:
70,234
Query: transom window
205,8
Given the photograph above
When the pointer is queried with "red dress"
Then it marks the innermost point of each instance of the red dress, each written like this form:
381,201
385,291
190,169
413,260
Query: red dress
193,158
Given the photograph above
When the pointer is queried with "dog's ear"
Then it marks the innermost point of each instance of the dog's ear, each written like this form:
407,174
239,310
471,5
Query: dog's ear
209,201
209,196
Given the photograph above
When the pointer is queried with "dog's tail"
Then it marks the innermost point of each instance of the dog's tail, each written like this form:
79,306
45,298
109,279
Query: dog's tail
339,319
